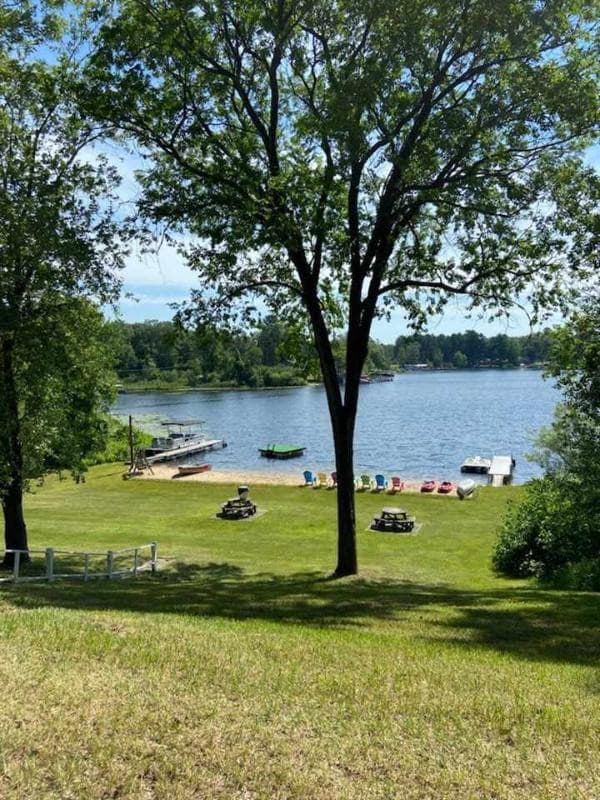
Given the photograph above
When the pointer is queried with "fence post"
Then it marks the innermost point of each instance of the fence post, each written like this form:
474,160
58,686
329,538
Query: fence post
49,564
135,562
153,549
86,567
109,564
16,564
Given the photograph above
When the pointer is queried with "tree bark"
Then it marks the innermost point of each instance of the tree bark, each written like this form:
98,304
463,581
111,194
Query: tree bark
15,530
343,438
342,424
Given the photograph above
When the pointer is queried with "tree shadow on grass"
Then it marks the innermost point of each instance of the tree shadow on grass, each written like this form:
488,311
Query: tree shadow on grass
529,623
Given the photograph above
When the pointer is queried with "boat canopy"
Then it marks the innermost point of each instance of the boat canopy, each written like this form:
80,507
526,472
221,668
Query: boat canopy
183,423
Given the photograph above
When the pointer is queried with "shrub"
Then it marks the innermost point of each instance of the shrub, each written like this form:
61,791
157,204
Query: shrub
117,443
532,532
583,575
550,535
281,376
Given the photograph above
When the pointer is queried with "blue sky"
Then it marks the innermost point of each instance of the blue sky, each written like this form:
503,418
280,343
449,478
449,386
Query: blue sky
157,281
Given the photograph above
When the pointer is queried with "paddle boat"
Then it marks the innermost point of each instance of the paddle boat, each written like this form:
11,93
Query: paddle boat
445,487
428,486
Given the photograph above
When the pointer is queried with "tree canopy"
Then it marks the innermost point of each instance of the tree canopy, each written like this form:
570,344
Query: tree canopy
60,244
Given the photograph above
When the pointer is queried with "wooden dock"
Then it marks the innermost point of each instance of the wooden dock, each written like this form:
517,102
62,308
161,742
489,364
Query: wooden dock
202,446
501,470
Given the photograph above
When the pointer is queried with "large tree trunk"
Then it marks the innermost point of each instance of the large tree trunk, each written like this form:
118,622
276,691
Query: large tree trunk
343,417
342,412
15,530
343,436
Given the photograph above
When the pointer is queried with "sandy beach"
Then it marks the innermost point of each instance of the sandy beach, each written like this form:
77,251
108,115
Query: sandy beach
250,477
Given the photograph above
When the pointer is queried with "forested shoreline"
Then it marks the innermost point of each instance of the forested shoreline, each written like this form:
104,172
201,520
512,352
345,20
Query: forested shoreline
161,355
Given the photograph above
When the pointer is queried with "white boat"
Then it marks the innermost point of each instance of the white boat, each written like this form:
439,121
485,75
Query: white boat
466,488
180,442
476,464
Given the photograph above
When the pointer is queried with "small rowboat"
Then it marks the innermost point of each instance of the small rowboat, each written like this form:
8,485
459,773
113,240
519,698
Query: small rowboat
192,469
465,488
428,486
445,487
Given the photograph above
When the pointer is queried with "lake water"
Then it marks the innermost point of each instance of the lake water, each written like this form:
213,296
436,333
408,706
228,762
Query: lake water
421,425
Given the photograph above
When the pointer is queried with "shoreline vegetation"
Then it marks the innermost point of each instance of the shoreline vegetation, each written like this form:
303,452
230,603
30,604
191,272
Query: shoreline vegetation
162,356
161,386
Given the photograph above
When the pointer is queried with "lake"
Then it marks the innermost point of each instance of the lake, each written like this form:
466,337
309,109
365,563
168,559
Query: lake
421,425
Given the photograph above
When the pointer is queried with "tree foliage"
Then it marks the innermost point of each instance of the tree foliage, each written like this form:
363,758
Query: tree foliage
555,532
478,350
64,375
60,243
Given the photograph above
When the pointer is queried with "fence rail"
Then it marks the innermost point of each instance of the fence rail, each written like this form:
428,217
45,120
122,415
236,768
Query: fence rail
111,561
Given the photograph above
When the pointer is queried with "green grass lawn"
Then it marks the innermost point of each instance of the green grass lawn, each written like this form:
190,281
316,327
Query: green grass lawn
240,672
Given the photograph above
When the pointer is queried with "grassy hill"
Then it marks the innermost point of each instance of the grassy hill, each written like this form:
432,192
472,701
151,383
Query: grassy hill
240,672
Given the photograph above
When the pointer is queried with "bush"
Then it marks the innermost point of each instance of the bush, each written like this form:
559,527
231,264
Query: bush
583,575
535,535
281,376
550,535
117,443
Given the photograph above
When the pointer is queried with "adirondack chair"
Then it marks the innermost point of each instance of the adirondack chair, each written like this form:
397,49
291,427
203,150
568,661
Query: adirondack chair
397,485
333,480
380,483
309,478
322,479
364,483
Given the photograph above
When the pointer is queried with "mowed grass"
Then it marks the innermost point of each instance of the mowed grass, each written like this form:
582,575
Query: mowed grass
241,672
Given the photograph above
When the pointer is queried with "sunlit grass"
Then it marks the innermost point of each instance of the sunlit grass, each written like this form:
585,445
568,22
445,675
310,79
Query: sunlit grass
241,672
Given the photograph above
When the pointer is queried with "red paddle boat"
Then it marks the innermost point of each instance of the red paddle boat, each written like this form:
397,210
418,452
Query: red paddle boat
445,487
428,486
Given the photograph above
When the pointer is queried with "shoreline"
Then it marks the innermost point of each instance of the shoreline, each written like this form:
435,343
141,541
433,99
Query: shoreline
161,472
132,389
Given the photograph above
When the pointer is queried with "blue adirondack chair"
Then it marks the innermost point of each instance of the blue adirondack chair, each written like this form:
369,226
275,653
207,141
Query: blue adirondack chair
380,483
309,478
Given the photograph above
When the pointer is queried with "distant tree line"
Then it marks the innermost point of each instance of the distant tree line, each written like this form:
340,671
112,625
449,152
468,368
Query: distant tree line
471,349
156,354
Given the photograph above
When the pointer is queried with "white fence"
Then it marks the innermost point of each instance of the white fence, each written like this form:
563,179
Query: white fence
109,564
